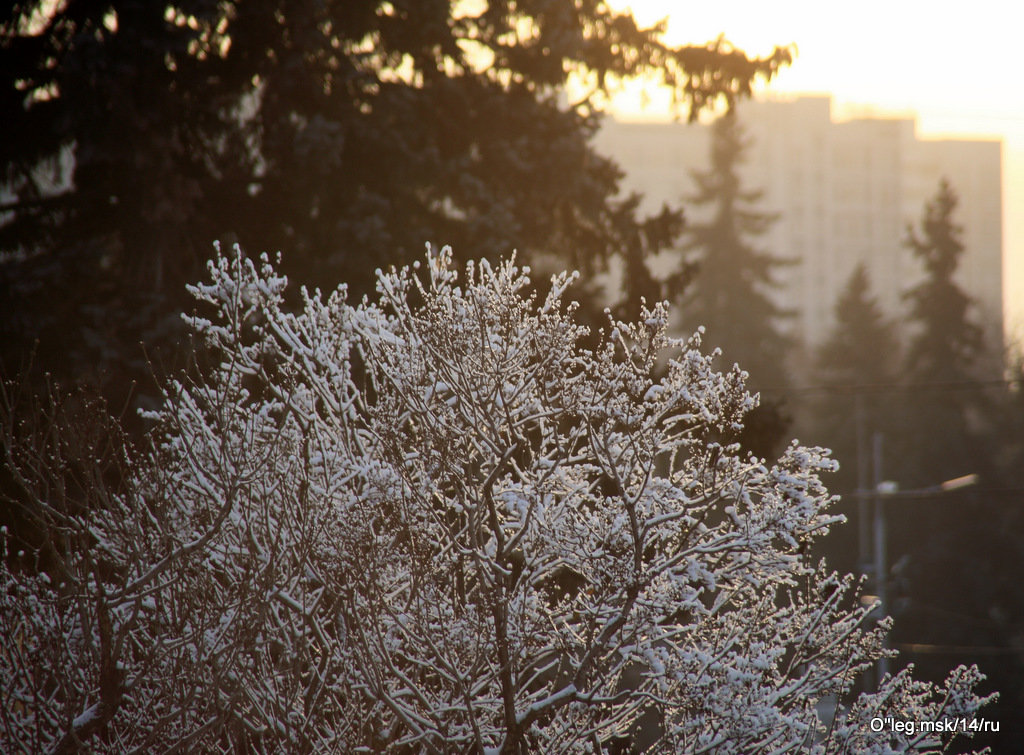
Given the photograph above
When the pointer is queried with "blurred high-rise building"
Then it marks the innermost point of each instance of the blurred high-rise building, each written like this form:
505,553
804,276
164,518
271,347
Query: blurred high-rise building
845,193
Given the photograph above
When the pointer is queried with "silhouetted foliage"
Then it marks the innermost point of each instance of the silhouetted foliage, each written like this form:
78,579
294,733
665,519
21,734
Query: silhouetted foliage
858,365
952,554
943,350
731,294
62,453
345,131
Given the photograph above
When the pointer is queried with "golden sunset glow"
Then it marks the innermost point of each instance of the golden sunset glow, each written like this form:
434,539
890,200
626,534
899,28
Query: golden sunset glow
956,67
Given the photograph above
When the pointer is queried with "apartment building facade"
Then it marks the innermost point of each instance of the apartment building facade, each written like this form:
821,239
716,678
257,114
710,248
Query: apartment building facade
844,193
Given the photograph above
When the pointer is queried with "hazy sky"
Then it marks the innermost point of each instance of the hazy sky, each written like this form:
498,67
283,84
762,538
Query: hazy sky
957,66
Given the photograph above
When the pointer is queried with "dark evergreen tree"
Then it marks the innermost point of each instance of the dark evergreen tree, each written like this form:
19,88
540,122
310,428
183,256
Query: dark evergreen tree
1008,425
955,595
731,293
858,367
732,283
941,414
343,132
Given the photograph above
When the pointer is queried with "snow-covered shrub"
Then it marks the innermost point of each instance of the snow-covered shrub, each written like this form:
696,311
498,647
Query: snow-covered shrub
436,522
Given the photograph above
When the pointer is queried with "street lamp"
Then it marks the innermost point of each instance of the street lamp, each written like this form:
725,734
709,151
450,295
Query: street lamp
884,491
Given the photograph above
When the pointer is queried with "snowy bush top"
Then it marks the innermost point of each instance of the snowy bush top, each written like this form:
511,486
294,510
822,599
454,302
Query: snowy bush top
436,522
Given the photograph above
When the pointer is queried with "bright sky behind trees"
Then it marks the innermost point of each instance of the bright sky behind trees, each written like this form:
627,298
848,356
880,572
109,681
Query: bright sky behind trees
956,66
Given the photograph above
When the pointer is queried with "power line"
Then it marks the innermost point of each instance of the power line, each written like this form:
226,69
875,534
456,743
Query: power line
925,649
852,389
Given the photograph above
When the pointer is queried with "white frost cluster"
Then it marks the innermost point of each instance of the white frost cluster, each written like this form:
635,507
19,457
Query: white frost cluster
436,523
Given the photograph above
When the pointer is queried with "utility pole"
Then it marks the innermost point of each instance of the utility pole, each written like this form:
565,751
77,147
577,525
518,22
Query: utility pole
881,491
881,569
860,426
